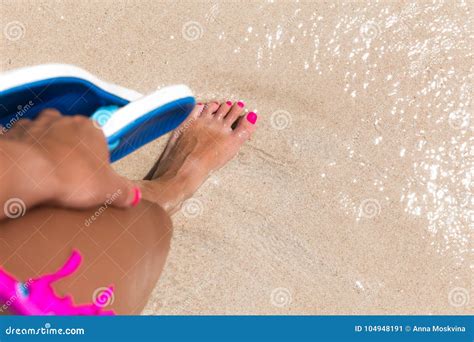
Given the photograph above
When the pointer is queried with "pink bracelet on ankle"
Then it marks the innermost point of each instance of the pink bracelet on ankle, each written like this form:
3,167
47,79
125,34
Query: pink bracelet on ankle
37,297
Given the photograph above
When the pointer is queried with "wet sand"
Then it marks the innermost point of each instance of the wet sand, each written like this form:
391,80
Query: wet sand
355,194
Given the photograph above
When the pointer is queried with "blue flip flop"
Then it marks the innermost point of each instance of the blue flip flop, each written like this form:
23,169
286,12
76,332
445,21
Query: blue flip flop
128,119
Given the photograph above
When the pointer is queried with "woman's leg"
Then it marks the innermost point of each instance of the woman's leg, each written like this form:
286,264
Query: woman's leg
127,248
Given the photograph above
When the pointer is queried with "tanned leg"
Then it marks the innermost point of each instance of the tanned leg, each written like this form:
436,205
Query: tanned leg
127,247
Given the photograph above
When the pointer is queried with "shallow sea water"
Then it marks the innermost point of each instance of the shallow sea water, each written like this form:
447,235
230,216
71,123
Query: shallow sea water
355,194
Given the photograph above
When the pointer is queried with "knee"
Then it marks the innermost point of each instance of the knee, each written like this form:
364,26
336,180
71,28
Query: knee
152,225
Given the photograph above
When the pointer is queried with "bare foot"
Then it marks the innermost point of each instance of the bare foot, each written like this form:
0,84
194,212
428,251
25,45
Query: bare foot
206,141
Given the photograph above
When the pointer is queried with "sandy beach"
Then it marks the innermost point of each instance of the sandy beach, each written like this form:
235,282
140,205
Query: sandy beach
355,194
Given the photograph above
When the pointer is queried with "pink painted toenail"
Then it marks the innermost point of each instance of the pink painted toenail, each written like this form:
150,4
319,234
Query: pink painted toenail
229,103
240,104
252,118
137,196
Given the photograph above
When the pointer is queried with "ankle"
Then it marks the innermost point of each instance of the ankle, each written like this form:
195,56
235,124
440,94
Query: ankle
167,191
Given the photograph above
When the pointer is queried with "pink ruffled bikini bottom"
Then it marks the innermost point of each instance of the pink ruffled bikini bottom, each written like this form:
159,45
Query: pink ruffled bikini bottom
37,297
